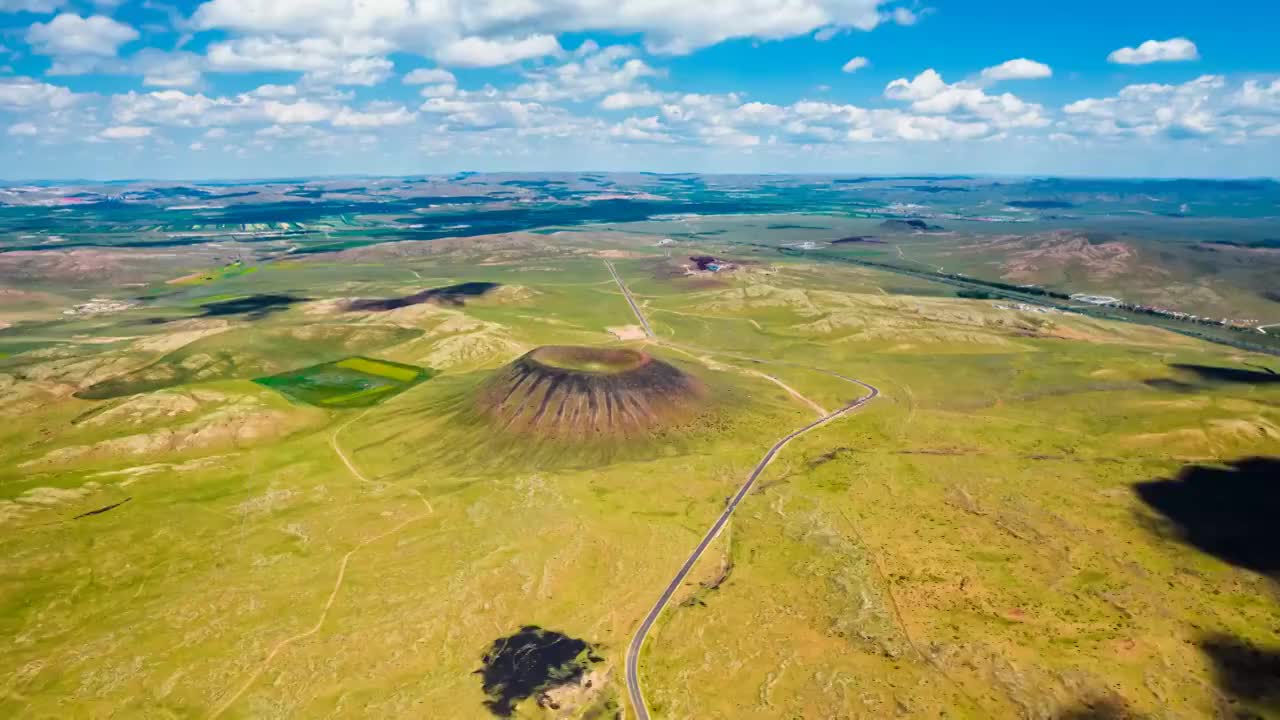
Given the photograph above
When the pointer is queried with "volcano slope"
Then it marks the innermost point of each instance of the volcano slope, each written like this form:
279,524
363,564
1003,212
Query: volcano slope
565,392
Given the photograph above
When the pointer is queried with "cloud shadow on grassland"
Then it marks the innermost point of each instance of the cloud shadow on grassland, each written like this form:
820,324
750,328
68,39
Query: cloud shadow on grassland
1231,512
454,295
1247,674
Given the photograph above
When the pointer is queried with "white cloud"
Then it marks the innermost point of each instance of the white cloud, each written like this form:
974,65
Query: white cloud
490,32
1197,108
366,71
279,132
125,132
161,69
730,136
31,6
855,64
20,93
1255,95
628,100
939,112
645,130
486,52
1017,69
23,128
308,54
373,117
758,113
429,76
1152,51
933,129
275,92
325,62
592,73
828,122
444,90
70,34
301,112
552,87
922,87
904,16
175,107
197,146
929,94
481,113
156,67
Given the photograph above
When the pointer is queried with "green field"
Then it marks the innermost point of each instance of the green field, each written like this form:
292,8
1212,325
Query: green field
353,382
230,270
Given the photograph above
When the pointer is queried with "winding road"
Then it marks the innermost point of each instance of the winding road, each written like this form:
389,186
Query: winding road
634,691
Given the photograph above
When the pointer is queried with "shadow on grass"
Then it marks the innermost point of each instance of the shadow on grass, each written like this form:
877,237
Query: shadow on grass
1171,385
1213,373
252,307
454,295
1248,675
1205,377
1231,512
529,663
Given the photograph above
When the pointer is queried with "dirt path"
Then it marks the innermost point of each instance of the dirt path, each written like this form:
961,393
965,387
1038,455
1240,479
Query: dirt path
794,393
342,570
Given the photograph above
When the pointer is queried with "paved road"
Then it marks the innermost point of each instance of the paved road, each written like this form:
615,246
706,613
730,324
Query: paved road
637,642
644,322
633,650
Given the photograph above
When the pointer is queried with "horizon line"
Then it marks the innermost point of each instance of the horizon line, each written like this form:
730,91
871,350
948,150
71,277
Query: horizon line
833,175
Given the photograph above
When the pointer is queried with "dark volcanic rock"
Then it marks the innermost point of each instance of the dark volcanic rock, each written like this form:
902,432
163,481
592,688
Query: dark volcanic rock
580,392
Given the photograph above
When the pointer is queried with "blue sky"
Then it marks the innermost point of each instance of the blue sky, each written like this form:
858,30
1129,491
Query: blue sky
250,88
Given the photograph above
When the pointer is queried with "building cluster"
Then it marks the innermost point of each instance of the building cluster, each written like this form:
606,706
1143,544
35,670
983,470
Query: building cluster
707,263
1024,307
1108,301
100,306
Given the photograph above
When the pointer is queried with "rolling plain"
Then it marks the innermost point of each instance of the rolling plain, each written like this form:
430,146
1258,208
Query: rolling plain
346,484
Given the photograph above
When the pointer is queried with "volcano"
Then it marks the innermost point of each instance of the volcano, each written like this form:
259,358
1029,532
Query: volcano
570,392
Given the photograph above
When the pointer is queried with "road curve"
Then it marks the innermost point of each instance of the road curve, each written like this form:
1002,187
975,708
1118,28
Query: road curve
637,642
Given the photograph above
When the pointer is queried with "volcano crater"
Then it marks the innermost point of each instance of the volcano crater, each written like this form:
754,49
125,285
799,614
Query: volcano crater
565,391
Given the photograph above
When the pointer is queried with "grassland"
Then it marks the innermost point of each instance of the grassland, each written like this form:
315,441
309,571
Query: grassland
975,543
230,270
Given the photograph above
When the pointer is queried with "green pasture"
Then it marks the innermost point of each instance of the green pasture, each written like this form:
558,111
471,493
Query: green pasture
349,383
